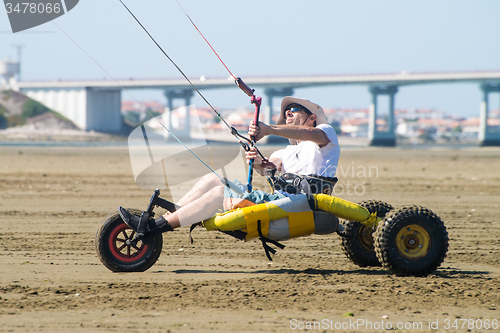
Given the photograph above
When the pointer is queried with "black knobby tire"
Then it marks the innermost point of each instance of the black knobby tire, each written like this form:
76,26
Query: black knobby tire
411,241
357,239
116,250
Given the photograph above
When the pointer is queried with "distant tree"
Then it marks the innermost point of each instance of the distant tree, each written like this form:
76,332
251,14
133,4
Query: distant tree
7,94
16,120
4,122
336,126
154,113
131,118
150,115
33,108
426,137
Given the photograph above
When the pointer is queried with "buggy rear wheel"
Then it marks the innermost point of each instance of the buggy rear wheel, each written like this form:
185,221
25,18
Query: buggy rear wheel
411,241
357,239
119,252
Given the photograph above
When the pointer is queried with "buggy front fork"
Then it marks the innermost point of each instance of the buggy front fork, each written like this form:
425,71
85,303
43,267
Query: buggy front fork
148,213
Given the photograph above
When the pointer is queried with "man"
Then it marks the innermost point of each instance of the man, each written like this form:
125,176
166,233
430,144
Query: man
313,149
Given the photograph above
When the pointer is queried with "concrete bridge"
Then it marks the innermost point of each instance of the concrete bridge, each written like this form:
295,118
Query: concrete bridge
95,104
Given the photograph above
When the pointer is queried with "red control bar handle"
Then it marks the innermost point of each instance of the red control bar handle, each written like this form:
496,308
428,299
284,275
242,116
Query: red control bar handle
243,86
257,101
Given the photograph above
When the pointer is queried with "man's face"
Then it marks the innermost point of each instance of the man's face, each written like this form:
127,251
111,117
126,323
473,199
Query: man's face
296,115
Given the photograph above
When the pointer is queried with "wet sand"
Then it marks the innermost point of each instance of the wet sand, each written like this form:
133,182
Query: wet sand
53,199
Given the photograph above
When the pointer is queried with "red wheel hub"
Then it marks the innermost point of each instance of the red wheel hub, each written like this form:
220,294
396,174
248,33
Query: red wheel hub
122,247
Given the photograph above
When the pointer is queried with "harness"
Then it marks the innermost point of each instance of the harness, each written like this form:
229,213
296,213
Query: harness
294,184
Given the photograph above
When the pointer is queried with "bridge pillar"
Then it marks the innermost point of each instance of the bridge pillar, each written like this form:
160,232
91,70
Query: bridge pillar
104,110
96,109
183,132
385,138
488,135
268,112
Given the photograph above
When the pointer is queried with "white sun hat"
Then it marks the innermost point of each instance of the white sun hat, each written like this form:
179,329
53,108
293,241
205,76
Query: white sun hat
313,107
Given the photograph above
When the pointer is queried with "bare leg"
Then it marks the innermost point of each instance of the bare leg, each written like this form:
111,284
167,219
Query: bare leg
197,210
204,185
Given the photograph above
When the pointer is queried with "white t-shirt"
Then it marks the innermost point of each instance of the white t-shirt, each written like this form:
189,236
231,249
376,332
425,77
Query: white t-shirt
308,158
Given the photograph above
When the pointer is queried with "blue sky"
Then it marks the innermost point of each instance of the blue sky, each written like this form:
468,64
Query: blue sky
271,37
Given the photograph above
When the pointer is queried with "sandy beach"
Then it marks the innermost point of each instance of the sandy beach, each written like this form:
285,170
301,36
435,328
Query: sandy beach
53,199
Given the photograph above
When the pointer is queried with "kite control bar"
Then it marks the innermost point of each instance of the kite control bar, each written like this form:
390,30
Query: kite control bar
243,86
257,101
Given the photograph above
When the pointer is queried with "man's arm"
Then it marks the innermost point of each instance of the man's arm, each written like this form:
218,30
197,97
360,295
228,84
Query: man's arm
294,132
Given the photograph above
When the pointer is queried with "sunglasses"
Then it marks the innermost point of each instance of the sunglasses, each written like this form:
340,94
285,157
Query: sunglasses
297,109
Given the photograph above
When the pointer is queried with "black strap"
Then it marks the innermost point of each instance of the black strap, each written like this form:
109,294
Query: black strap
308,192
265,240
191,229
268,249
331,180
238,234
143,224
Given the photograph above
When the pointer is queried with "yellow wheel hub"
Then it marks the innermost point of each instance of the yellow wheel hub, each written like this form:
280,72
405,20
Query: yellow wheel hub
365,238
413,242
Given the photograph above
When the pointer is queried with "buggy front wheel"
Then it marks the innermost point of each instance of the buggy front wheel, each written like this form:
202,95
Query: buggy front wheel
119,252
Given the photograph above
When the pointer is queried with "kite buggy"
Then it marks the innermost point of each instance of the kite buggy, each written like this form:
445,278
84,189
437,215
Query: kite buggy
408,241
